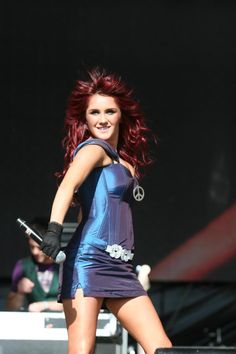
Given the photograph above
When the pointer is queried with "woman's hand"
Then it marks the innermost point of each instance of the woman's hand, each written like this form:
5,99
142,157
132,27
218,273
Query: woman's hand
25,286
52,240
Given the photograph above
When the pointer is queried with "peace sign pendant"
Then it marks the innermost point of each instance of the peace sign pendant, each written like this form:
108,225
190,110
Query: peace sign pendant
138,193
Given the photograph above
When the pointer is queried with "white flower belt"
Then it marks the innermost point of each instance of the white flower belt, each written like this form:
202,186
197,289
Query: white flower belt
117,251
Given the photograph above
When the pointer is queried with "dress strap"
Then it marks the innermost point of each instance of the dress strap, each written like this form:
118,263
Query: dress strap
111,152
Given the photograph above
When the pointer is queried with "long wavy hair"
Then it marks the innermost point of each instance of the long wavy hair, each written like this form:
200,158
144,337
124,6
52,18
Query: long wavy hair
133,133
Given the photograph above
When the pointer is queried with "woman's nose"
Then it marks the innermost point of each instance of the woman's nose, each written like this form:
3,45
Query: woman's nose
103,118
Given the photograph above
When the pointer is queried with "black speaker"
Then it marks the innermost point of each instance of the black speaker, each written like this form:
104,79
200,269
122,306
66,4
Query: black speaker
197,350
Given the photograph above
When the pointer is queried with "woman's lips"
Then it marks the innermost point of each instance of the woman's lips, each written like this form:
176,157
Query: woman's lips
103,129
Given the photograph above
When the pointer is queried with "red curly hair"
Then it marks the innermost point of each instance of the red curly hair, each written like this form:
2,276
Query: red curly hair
133,133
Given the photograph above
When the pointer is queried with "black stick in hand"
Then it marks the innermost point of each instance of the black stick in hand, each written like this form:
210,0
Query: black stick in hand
35,235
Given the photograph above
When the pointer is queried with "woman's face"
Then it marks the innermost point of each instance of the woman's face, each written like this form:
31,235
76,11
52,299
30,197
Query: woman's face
103,117
38,255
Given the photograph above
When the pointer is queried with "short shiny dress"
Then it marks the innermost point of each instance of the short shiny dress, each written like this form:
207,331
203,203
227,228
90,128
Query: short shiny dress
99,255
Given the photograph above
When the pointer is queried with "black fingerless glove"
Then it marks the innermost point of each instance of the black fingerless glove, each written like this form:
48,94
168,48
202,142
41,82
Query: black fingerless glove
52,240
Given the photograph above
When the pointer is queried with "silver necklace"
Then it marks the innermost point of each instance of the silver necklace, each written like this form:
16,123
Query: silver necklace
138,193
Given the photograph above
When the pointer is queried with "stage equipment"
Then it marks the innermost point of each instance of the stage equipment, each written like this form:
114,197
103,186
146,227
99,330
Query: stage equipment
45,332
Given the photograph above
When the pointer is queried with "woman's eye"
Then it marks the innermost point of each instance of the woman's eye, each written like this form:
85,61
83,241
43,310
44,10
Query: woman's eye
94,112
110,111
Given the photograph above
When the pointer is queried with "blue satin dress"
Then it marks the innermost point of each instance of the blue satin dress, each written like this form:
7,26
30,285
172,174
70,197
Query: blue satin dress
105,198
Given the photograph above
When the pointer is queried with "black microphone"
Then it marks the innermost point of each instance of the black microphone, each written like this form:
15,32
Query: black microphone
35,235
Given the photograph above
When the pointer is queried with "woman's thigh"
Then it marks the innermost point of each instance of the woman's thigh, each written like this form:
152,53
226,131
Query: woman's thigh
81,316
141,320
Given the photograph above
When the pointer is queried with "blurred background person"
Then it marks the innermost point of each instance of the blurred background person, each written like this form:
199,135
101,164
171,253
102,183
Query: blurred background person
34,284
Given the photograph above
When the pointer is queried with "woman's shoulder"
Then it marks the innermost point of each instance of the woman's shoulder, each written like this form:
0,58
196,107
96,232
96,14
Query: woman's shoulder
98,142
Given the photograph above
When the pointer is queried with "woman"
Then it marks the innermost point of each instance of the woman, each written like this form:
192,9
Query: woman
105,144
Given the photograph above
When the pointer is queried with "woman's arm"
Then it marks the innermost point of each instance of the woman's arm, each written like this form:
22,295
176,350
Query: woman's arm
89,157
15,301
45,306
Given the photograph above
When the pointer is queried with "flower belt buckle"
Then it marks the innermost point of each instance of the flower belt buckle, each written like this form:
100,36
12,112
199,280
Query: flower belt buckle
115,251
126,255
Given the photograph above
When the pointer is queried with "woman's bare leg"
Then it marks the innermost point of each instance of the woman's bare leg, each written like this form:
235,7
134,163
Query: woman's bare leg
141,320
81,319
